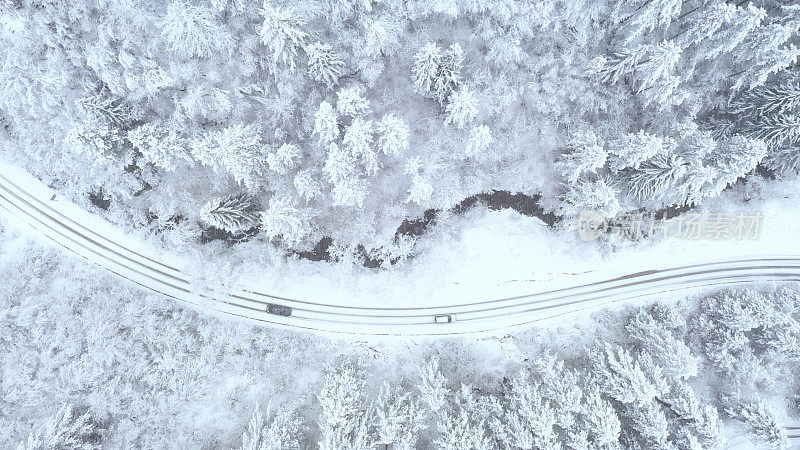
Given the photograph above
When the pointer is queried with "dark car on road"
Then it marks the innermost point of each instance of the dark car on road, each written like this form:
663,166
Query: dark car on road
279,310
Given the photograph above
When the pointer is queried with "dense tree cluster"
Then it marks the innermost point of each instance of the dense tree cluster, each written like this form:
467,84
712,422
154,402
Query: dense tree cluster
334,113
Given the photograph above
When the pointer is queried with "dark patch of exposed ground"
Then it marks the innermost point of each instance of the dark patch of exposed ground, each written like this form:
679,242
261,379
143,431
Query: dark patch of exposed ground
495,200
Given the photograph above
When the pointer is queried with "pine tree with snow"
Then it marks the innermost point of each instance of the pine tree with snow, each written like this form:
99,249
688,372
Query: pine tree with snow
285,158
733,32
351,101
633,149
639,17
160,146
528,420
426,68
480,139
704,22
600,420
448,77
462,108
307,184
64,429
598,195
357,140
398,418
326,127
778,98
283,35
393,135
765,52
345,421
233,213
324,65
235,150
433,385
623,378
193,32
585,154
762,422
282,430
736,157
282,219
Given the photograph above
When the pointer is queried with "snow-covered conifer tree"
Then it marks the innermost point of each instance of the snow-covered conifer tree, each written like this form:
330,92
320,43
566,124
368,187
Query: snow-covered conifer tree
426,67
585,154
480,139
357,140
462,108
351,101
284,158
598,195
282,33
324,65
280,431
192,31
448,78
639,17
325,125
64,429
398,418
345,421
282,219
393,135
159,145
233,213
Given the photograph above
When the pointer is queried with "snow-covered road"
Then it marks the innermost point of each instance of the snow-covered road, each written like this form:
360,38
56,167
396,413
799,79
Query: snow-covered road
99,242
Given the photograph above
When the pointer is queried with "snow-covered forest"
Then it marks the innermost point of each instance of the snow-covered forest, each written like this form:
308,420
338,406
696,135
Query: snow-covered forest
334,121
417,149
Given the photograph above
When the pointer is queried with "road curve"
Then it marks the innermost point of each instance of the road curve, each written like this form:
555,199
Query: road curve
29,200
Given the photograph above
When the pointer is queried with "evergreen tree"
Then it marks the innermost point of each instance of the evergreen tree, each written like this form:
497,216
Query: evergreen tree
585,154
64,429
639,17
480,139
426,67
598,195
438,74
345,421
736,157
307,184
282,219
325,125
462,108
193,32
762,422
284,159
324,65
233,213
766,51
159,146
282,33
528,421
600,420
398,418
283,430
448,77
393,135
635,148
741,22
351,101
357,140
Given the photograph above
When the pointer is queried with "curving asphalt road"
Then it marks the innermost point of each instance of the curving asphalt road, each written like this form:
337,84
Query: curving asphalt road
31,201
